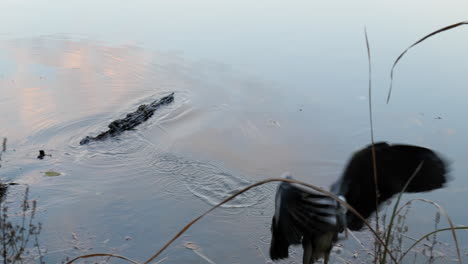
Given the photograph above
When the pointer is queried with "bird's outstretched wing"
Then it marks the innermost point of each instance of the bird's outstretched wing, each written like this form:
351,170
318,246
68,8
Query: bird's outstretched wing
300,212
395,165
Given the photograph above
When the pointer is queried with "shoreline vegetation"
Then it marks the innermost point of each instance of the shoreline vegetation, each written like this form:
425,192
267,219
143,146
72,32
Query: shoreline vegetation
389,231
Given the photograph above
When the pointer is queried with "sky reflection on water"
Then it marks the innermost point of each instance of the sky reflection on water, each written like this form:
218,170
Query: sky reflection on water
261,88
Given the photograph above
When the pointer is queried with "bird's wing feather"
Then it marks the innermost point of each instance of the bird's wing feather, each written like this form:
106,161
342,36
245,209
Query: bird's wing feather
395,165
298,212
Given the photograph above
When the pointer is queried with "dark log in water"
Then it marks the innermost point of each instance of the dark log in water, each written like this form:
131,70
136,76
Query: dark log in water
143,113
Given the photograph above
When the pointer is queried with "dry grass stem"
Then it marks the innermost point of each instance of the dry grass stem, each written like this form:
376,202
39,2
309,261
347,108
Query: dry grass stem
416,43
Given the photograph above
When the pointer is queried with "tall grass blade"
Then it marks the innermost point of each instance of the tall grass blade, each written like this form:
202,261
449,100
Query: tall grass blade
374,160
102,255
395,207
416,43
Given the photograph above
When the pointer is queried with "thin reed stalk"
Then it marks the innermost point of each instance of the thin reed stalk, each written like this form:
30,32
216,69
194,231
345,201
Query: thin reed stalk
394,212
431,233
444,212
377,248
102,255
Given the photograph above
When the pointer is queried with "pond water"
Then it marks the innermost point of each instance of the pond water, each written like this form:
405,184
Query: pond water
260,88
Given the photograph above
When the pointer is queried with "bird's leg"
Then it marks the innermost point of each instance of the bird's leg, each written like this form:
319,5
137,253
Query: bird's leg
307,257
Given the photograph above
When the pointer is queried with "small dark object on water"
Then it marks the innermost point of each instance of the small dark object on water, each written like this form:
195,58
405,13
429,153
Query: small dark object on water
42,154
143,113
304,216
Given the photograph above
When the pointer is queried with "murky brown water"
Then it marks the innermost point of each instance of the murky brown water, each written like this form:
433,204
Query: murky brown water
281,95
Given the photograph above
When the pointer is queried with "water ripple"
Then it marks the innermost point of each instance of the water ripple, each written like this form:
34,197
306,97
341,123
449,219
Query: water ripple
210,182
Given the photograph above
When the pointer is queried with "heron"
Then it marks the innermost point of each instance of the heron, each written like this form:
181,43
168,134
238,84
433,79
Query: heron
305,216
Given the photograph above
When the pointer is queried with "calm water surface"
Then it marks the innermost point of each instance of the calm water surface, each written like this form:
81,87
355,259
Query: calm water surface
259,89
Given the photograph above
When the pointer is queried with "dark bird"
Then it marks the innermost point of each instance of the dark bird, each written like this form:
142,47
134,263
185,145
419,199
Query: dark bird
304,216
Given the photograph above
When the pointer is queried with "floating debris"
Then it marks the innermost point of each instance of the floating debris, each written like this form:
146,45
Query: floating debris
52,173
196,249
42,154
